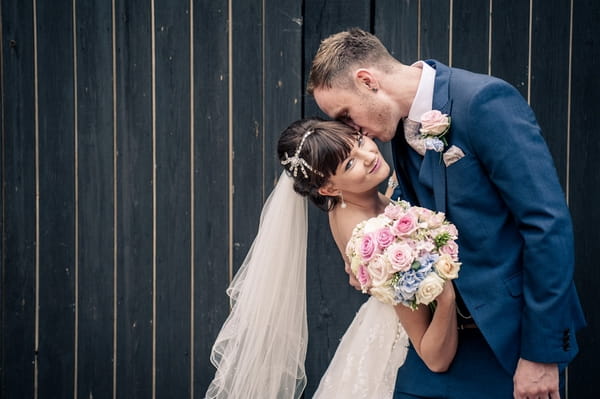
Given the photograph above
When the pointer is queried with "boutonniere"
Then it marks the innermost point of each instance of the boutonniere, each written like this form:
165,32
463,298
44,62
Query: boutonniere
434,126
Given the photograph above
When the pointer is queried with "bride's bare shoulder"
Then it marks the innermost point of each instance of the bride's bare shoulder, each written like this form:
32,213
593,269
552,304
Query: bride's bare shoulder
341,223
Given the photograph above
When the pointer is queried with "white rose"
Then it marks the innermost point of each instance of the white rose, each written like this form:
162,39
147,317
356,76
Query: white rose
379,270
383,294
376,224
446,267
429,289
355,264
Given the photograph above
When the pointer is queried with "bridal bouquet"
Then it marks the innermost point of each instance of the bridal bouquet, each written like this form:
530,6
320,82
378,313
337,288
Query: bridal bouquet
404,255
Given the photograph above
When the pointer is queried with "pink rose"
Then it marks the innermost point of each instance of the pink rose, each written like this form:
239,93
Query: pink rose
384,237
434,123
450,229
367,247
451,248
394,211
434,220
401,256
424,246
363,277
423,213
405,225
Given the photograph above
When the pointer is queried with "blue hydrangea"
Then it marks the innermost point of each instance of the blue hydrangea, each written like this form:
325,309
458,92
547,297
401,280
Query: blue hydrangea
434,144
427,262
408,284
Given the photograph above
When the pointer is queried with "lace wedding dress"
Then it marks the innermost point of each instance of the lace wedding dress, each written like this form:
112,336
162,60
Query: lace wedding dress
368,357
261,348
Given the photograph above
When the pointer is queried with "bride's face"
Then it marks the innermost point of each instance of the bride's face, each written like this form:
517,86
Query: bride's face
363,170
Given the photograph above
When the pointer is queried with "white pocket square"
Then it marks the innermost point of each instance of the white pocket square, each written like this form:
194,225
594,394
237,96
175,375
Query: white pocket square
452,155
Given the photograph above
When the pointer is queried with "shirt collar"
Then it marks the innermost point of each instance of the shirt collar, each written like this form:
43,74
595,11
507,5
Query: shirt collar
424,98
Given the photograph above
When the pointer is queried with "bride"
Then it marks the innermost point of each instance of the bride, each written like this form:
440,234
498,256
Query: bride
261,348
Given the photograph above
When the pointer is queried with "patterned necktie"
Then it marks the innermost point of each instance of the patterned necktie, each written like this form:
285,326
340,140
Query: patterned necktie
413,136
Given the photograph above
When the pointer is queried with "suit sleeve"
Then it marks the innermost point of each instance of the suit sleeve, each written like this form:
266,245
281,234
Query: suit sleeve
507,140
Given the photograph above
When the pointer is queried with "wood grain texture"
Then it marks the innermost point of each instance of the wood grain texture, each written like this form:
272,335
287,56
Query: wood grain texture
173,199
247,124
17,284
211,182
470,35
584,191
399,34
95,155
549,87
57,265
435,30
134,200
510,42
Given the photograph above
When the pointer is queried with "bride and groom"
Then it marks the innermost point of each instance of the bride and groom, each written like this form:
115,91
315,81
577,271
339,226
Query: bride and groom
506,328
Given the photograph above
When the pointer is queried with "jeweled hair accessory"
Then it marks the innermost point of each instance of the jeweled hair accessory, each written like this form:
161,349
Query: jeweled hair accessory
296,161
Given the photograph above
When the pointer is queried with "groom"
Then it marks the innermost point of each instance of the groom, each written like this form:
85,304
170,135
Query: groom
493,175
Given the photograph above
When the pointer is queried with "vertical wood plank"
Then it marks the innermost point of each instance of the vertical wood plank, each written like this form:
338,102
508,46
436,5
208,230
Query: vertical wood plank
400,35
248,127
510,43
172,199
283,80
134,199
211,171
549,68
331,302
17,289
57,328
435,30
283,77
470,35
584,191
95,198
324,18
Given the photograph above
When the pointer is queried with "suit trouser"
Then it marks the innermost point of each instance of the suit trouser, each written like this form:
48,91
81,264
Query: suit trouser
474,373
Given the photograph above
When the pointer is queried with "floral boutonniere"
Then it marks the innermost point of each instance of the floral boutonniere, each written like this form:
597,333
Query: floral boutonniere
434,126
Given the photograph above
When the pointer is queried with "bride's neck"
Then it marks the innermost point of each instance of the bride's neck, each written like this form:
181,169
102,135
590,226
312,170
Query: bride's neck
374,202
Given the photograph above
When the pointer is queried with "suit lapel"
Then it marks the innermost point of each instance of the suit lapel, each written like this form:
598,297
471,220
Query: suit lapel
400,157
433,169
441,88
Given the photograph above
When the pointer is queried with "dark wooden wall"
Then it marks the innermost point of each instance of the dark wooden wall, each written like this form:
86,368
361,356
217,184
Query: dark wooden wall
138,146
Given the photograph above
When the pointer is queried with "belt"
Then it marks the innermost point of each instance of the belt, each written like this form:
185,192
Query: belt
466,326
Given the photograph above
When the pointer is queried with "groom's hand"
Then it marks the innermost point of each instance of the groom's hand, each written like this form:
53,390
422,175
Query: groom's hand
351,277
536,380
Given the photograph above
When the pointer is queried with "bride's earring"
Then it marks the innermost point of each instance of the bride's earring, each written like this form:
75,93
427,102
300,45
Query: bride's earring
343,204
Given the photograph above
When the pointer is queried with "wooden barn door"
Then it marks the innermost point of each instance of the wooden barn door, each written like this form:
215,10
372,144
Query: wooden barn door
138,146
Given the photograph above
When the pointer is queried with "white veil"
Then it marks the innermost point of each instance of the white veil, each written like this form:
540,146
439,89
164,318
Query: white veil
261,348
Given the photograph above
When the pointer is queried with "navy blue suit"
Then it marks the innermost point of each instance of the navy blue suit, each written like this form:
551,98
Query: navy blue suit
515,231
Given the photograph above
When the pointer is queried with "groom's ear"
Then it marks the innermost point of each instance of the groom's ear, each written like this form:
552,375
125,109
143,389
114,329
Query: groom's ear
365,79
329,190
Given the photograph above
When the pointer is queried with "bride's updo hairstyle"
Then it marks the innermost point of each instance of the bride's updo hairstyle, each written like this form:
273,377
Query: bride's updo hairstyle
322,150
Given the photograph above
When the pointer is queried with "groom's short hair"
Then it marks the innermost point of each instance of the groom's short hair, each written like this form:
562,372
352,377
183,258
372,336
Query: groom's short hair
338,52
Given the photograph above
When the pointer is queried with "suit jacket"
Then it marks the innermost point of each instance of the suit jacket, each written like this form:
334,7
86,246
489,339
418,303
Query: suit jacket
515,232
